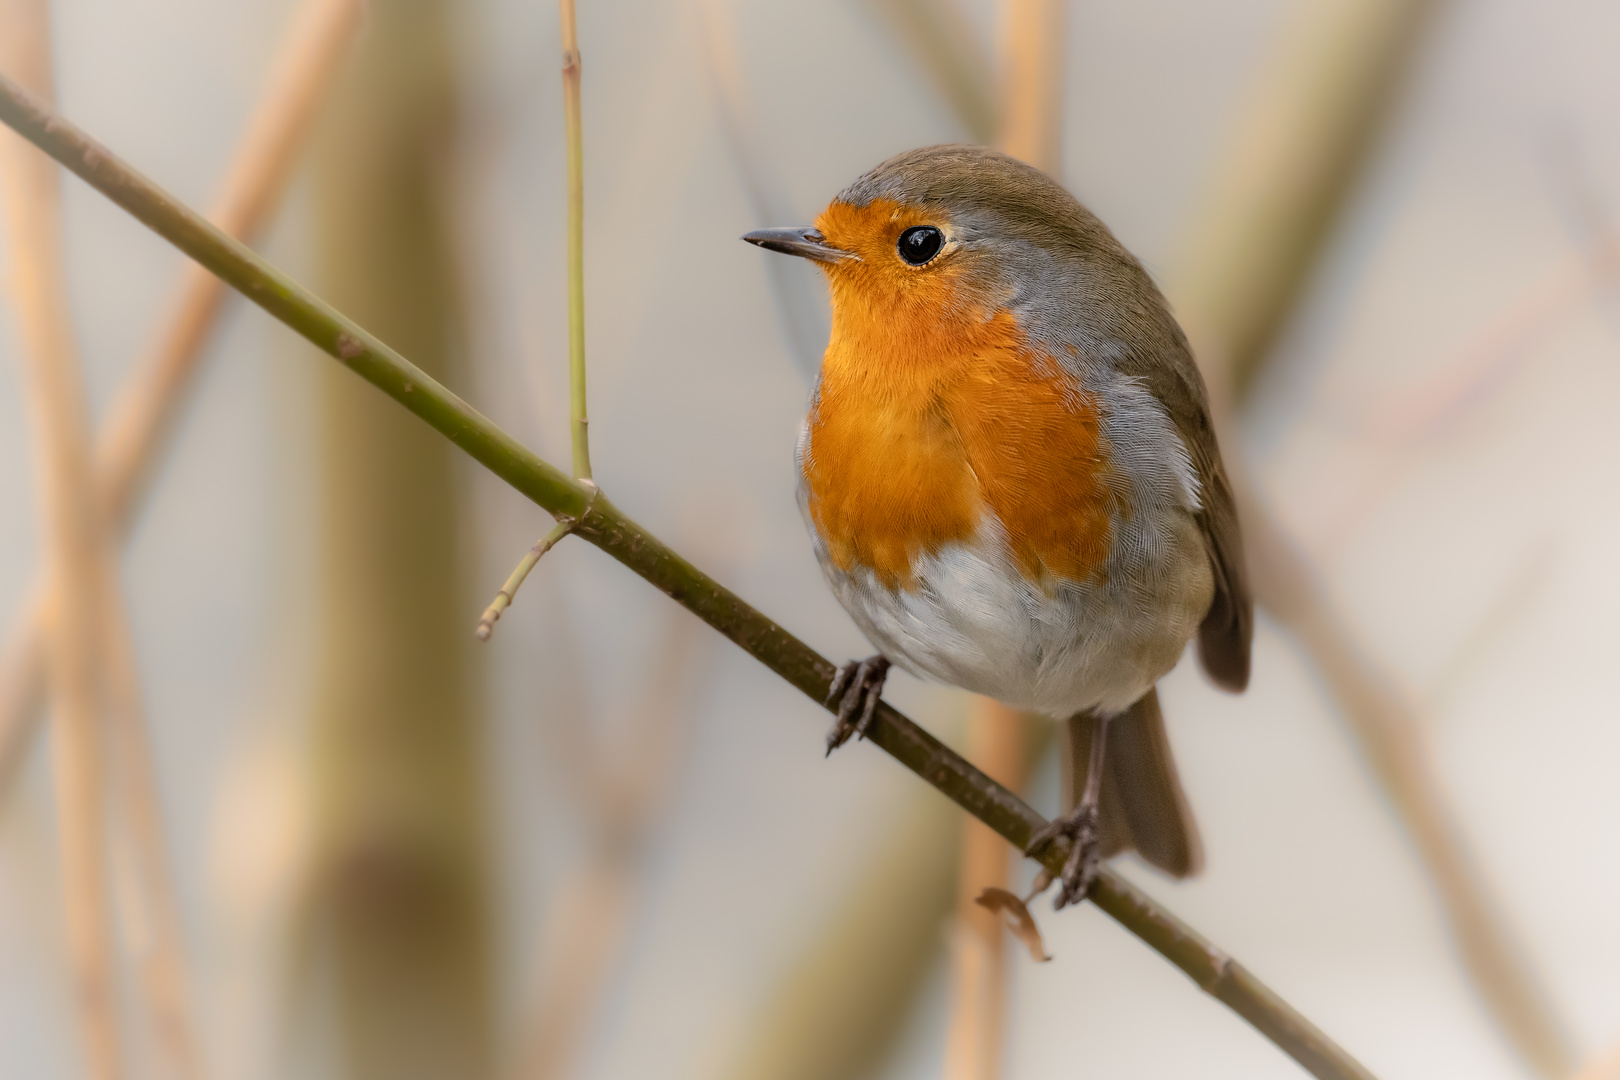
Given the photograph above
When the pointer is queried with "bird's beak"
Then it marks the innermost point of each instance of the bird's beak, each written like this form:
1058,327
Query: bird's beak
805,243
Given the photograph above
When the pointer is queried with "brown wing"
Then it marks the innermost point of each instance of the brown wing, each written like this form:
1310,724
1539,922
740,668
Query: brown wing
1227,629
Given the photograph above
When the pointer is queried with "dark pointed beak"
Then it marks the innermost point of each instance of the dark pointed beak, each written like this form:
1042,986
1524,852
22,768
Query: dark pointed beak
805,243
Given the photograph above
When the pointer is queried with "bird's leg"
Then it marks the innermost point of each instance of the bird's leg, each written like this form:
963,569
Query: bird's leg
1080,827
857,688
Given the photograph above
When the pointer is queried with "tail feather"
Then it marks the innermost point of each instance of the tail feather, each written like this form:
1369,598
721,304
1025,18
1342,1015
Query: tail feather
1142,803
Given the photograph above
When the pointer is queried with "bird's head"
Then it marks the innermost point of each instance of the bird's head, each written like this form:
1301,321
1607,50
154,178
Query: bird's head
940,240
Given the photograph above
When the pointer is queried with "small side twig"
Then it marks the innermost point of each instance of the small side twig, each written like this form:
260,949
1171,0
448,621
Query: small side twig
508,593
576,245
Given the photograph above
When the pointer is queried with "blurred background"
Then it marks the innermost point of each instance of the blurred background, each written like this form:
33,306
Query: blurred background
357,843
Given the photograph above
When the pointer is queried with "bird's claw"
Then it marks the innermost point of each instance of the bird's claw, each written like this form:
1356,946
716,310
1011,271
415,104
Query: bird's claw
857,688
1085,852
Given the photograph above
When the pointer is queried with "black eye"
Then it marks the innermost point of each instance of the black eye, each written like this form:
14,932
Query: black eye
920,244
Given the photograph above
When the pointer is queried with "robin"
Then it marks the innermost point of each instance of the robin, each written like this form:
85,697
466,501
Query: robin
1011,480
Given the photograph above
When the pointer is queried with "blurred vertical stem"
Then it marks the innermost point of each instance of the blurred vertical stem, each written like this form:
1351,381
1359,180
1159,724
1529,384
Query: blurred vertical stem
73,542
1034,50
1294,158
149,404
978,1018
576,244
398,902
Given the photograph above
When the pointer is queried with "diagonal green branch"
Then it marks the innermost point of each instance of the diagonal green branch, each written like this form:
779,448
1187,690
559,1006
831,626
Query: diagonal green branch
604,525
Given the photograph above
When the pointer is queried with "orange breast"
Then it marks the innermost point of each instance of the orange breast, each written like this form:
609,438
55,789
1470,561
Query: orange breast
931,416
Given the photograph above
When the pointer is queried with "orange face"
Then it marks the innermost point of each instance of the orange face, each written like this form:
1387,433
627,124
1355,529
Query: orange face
934,409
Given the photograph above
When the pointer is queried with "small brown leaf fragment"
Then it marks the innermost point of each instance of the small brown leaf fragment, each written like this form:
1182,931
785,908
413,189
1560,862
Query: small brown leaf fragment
1015,913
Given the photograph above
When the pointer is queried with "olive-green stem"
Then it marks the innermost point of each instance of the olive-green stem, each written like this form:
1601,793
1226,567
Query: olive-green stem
508,593
604,525
579,423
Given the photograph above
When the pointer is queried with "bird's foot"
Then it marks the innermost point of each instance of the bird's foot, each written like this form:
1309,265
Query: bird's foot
1079,827
857,688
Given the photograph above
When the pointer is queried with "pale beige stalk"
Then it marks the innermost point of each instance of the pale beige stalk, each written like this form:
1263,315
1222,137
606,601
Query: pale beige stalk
1034,46
1034,39
975,1037
73,544
146,412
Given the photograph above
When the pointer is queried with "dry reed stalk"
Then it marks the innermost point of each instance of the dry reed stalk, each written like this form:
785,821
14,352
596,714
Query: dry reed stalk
1034,48
978,1019
147,409
73,542
1034,44
1263,225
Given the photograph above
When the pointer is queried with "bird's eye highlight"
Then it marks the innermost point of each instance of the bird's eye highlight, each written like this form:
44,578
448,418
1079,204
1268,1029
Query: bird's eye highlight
918,245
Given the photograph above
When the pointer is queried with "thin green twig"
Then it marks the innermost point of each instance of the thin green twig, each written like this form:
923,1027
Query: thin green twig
580,423
604,525
504,598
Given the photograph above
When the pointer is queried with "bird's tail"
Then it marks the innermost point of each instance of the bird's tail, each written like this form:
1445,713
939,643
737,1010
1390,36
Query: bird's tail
1143,806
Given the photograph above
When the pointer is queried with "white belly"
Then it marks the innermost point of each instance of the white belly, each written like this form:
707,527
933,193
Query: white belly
972,620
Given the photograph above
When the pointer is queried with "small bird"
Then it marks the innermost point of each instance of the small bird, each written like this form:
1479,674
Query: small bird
1011,479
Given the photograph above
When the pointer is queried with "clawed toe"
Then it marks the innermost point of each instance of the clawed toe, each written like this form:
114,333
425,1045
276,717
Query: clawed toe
1085,852
857,688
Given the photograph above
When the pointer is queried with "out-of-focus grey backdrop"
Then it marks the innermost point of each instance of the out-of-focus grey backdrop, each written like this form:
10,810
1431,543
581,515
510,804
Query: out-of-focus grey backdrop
1441,446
